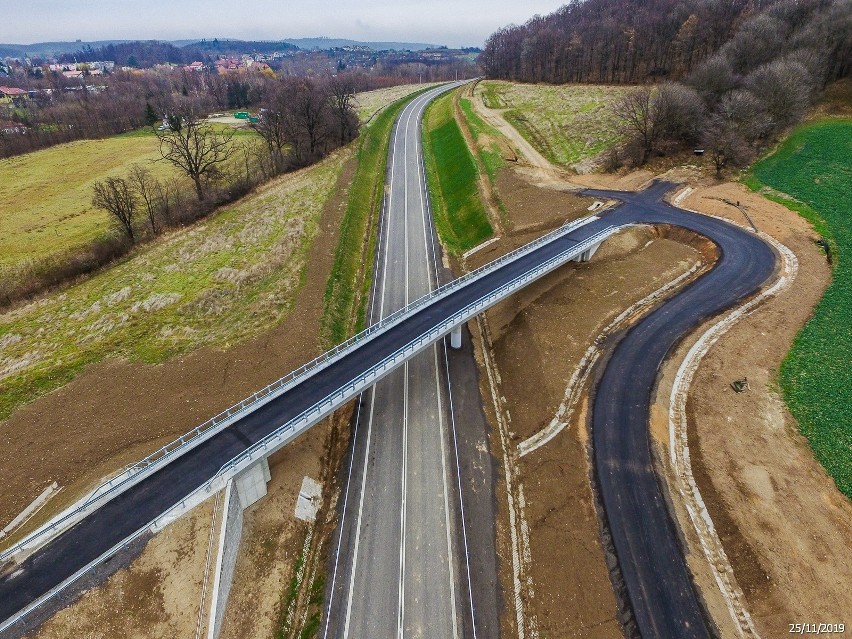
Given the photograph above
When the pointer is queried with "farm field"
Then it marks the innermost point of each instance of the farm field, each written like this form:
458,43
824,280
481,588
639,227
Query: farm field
460,216
567,124
812,173
45,196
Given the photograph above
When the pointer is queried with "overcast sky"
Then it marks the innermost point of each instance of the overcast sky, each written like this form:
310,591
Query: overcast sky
450,22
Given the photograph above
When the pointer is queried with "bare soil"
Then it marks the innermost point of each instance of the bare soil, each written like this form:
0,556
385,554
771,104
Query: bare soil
158,596
539,338
786,529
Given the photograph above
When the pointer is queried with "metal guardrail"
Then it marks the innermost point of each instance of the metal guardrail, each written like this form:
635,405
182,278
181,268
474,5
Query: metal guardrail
333,400
345,393
135,472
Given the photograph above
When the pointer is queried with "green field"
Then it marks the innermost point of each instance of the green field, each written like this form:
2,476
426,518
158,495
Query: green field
813,167
568,124
216,282
459,213
46,196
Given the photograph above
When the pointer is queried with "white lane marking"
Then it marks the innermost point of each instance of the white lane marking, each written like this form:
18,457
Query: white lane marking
400,628
452,422
360,517
420,188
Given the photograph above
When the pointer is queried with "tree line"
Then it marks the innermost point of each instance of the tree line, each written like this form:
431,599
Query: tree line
760,82
621,41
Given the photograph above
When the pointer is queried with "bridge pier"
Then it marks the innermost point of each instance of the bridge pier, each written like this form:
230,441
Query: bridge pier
251,483
586,255
241,492
456,337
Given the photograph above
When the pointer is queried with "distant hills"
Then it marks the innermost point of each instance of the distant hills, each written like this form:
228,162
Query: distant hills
52,49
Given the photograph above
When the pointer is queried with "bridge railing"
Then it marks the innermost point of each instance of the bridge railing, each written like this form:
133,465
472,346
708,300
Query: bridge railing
133,473
345,393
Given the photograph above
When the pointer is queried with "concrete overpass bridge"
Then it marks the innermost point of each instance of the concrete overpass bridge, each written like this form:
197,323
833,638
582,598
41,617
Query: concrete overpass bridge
235,444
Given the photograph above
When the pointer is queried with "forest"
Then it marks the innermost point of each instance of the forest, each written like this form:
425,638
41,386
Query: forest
726,77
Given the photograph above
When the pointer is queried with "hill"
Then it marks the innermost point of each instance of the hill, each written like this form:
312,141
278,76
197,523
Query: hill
339,43
618,41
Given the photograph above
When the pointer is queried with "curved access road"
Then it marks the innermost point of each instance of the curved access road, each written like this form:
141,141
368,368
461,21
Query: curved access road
658,582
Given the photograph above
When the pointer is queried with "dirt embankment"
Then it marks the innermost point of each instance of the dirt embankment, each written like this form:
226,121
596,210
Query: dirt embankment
89,421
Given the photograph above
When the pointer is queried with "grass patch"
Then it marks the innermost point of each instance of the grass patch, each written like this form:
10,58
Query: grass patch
221,280
813,167
346,295
486,137
567,124
45,196
460,216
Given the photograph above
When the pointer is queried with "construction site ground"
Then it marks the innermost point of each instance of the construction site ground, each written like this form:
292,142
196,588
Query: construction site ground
785,528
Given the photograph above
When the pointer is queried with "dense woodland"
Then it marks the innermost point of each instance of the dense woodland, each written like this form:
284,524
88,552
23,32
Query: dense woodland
726,76
636,41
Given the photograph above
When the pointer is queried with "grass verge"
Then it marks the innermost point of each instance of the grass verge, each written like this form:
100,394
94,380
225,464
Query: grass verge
346,294
813,168
460,217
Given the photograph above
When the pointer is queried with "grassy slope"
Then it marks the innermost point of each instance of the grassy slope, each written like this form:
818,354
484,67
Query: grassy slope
566,123
347,292
814,168
218,281
460,216
45,196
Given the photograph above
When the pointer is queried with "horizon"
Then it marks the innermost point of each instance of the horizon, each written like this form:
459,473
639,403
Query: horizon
471,21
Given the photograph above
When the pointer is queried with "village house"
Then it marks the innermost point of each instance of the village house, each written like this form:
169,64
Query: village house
11,128
13,96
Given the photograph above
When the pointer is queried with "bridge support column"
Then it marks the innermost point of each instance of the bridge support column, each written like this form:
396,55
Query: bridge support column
586,255
251,483
456,337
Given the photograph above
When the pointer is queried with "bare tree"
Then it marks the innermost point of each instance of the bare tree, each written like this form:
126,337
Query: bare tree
342,94
634,111
115,196
195,147
147,187
274,127
677,113
724,143
784,87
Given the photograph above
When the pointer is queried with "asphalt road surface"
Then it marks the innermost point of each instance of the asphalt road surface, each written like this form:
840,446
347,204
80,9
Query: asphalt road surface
395,573
657,579
658,582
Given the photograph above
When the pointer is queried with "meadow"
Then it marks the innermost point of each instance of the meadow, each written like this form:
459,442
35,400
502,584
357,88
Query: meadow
216,282
568,124
811,172
460,216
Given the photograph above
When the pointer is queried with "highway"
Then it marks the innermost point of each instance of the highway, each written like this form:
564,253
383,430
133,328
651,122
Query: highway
656,576
395,572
